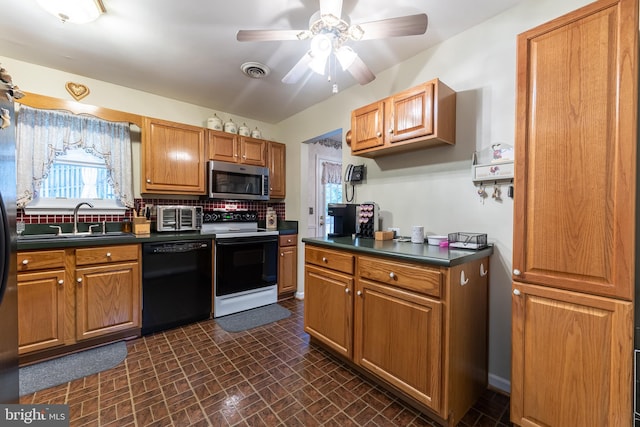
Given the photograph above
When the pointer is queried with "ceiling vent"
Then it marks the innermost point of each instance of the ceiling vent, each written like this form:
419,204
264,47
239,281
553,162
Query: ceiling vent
255,70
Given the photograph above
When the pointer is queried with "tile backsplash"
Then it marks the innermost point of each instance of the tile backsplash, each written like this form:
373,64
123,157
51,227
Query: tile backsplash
260,207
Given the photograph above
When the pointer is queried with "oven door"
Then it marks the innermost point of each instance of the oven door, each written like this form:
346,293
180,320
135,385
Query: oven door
245,263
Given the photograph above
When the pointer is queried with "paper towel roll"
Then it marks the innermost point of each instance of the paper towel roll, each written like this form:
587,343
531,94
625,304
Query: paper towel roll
417,234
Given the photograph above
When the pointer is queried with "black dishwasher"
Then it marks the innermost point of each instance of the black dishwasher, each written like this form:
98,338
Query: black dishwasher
176,284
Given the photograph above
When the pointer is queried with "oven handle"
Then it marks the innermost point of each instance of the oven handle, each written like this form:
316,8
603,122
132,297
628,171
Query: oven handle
231,241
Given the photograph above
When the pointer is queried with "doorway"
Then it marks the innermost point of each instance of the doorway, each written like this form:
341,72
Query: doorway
324,159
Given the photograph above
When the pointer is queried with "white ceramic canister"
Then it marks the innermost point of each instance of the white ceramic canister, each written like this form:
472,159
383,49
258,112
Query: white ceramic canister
214,123
244,130
417,234
256,133
230,127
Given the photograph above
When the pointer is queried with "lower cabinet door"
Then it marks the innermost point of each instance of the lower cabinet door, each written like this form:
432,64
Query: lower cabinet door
398,337
328,308
41,310
107,299
571,358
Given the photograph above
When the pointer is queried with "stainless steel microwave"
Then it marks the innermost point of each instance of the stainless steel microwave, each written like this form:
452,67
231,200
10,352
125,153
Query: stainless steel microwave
238,182
178,218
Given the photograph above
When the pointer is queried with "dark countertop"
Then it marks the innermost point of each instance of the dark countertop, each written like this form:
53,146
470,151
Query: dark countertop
50,242
407,251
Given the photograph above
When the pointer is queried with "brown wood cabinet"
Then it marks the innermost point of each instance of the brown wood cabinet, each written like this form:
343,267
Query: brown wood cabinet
287,264
420,117
574,218
228,147
41,300
328,304
173,158
67,297
108,290
276,155
419,329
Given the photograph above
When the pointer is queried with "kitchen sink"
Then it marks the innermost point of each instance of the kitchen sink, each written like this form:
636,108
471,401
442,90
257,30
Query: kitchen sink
51,236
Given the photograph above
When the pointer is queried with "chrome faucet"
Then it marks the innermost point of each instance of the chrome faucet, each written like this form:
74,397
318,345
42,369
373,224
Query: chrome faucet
75,215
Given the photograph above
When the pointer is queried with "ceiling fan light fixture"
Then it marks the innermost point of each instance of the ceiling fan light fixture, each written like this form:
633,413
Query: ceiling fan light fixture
304,35
356,32
75,11
346,56
321,45
318,64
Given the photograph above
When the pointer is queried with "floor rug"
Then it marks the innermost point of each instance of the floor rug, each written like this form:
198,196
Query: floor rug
68,368
253,318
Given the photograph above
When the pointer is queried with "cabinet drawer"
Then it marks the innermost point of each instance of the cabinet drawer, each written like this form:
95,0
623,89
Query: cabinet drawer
415,277
339,261
106,254
37,260
288,240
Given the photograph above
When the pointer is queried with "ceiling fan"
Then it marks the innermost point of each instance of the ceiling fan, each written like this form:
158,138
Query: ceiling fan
329,32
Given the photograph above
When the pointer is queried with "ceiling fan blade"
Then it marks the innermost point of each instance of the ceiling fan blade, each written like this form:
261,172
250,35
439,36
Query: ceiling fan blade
298,70
360,71
267,35
331,7
410,25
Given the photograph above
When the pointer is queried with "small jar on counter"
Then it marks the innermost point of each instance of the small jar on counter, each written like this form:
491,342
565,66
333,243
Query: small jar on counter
126,226
271,219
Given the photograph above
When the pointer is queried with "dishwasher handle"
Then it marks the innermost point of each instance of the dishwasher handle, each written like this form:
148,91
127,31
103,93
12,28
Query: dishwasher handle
175,247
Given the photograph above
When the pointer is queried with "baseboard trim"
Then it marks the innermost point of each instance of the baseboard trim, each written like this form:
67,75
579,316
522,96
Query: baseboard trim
299,295
500,383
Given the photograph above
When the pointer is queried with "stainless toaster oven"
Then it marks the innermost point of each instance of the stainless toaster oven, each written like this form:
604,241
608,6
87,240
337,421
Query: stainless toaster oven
178,218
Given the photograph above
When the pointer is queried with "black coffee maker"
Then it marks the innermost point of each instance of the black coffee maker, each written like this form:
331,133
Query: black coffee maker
345,218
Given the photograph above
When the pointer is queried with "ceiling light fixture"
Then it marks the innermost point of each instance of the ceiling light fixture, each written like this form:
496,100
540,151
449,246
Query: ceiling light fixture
75,11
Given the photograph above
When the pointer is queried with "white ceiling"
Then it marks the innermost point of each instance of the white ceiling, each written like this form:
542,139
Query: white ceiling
187,50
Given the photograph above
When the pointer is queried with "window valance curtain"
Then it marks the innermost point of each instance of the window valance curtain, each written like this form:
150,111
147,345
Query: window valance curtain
331,173
44,134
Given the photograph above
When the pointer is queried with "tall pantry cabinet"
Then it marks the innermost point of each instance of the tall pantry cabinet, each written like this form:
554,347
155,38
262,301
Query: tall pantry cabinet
574,219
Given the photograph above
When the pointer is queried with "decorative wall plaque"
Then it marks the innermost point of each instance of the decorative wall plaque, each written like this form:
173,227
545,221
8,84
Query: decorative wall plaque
77,90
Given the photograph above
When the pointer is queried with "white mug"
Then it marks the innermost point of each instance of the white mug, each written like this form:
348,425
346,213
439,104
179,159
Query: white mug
417,234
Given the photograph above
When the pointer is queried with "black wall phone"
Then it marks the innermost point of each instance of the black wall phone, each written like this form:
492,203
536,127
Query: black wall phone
354,173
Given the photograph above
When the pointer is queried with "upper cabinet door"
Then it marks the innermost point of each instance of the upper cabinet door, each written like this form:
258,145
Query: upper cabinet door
253,151
367,125
173,158
410,113
574,210
222,146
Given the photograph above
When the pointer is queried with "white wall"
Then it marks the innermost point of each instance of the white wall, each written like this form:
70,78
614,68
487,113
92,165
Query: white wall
433,187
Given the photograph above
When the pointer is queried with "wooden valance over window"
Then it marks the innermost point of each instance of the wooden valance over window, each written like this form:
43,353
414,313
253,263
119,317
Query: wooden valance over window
49,103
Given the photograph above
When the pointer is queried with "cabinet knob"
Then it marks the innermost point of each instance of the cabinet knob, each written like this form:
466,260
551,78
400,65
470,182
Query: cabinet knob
25,261
148,181
289,240
392,275
391,130
359,293
79,280
516,292
281,253
244,156
379,134
483,272
347,290
516,272
324,259
108,254
60,282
